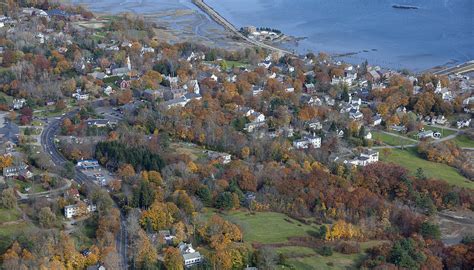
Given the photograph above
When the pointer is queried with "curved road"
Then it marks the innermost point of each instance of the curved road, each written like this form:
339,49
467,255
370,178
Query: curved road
59,161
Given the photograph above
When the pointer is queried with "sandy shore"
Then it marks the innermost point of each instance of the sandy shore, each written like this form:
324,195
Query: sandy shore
177,20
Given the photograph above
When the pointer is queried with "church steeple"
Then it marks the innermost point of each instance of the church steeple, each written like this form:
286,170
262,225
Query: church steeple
129,64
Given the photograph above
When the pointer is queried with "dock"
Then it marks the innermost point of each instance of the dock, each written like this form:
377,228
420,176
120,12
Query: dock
230,27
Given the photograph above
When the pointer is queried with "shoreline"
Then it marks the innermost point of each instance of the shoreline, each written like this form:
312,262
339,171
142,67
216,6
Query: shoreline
219,19
234,39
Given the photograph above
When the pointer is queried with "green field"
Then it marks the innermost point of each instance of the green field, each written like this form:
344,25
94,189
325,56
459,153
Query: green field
236,64
409,159
390,139
463,141
8,215
10,231
272,228
268,227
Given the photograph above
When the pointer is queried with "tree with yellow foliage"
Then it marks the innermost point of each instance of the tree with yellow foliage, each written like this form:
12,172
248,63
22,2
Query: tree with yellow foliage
5,161
344,230
245,152
147,255
160,216
173,259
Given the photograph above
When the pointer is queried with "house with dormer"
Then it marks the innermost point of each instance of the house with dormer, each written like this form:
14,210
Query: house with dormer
307,141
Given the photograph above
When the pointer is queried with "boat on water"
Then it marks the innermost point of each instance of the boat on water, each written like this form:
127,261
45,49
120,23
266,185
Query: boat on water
404,7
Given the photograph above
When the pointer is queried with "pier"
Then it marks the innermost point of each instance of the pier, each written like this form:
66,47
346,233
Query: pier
229,26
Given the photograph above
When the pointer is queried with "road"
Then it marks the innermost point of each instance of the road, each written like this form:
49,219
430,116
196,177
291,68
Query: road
59,161
447,138
227,25
54,192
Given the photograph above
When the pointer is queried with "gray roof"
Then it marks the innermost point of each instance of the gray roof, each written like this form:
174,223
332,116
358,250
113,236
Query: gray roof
9,132
190,256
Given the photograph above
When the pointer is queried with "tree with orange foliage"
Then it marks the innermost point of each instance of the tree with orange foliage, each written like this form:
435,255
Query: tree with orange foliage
126,171
125,97
219,233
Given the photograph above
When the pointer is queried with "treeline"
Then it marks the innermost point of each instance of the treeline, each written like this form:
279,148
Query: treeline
115,153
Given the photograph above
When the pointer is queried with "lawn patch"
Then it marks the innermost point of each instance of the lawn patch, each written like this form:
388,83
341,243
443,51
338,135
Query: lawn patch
463,141
390,139
8,215
268,227
409,159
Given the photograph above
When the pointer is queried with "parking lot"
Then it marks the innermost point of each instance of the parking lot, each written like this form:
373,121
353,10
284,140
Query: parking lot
100,176
109,113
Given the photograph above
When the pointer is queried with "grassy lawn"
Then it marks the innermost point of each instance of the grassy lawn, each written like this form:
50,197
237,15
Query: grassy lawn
308,258
236,64
20,185
444,132
7,215
8,98
409,159
271,228
190,150
390,139
256,226
83,237
463,141
8,233
336,261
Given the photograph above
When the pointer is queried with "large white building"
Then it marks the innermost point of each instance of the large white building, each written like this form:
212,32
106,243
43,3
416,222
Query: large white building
190,256
307,141
73,210
364,159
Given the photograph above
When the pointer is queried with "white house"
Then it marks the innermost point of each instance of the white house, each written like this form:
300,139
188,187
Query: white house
256,90
12,171
79,95
355,114
463,123
75,209
190,256
315,125
108,90
368,135
88,164
18,103
467,101
223,158
265,64
370,156
307,141
440,120
428,134
364,159
443,91
376,120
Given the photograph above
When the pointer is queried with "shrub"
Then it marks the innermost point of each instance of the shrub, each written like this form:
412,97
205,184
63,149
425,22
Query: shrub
325,251
348,247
